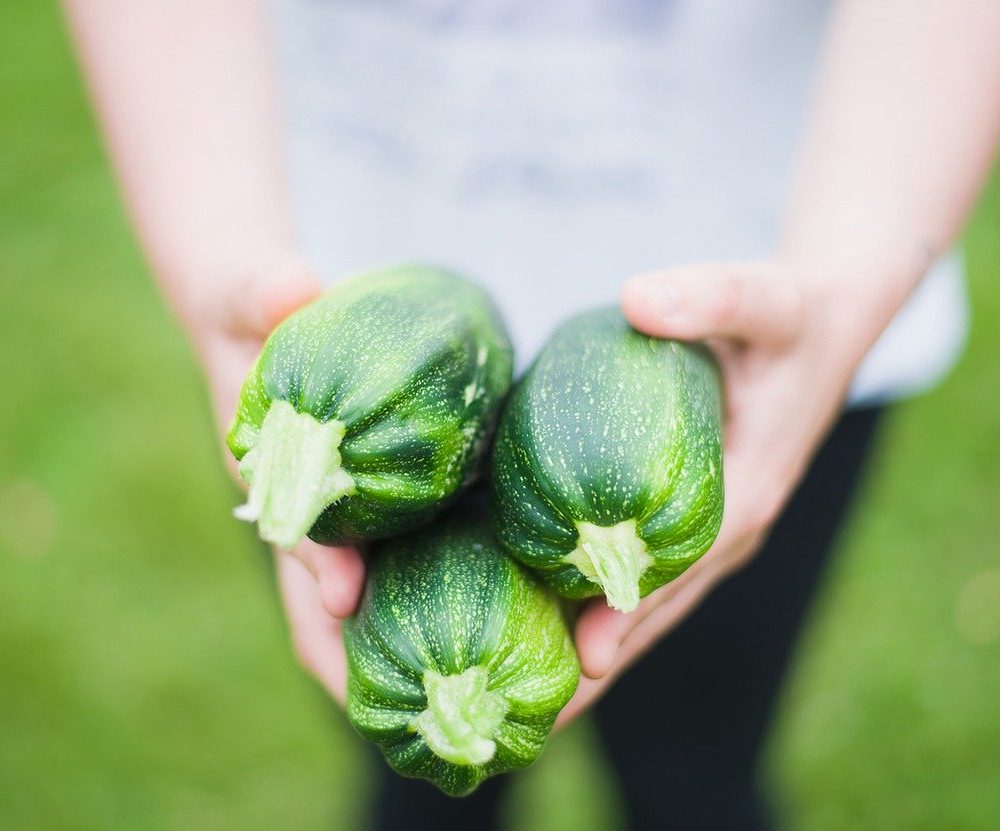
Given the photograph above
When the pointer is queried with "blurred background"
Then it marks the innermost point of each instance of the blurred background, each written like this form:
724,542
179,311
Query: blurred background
145,675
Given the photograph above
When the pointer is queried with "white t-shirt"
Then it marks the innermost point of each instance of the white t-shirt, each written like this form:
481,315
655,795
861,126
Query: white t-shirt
550,150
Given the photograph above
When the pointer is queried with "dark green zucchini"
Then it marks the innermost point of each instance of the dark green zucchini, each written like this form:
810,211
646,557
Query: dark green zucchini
369,408
607,471
458,659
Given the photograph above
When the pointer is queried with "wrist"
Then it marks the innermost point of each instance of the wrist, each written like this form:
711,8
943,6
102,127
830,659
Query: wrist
851,295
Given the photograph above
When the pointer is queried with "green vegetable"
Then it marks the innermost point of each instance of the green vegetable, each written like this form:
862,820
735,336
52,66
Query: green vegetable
459,661
370,407
607,472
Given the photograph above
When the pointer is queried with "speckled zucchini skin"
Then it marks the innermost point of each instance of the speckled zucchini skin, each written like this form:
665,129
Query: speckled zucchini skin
445,599
415,362
610,425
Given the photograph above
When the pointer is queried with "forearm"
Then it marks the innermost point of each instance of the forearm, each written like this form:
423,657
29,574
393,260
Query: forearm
906,120
903,133
187,98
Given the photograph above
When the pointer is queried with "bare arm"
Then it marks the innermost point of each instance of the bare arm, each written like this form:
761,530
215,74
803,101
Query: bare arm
186,95
187,98
905,125
903,135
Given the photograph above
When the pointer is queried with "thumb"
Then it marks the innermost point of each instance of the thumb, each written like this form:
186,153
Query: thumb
752,303
259,303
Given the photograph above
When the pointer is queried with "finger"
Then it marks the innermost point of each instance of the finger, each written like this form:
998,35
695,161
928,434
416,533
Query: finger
339,573
625,638
257,304
664,618
600,630
587,692
316,636
714,300
661,614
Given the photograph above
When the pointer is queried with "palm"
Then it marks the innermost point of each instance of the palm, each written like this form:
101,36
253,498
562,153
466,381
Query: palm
319,585
783,387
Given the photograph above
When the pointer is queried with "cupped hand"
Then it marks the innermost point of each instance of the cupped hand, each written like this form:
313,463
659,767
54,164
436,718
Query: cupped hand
787,345
319,585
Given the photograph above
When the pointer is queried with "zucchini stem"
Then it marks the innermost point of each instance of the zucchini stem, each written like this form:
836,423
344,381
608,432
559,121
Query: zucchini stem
294,472
614,557
462,716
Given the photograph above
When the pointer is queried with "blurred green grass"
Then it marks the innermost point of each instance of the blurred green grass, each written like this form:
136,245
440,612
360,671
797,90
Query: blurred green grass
145,678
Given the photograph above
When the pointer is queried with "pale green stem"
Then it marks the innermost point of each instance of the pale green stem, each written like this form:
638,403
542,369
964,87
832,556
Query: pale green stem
615,558
294,473
462,716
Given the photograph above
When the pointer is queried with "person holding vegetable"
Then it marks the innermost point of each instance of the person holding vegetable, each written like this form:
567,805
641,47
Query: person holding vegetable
782,181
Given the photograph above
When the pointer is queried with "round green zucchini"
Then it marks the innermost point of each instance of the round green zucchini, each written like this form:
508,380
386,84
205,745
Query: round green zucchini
607,470
369,408
459,660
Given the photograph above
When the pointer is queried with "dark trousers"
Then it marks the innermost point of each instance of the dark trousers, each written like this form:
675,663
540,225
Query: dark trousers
684,728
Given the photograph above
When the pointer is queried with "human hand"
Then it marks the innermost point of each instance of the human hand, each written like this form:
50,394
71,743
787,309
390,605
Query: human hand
788,338
319,584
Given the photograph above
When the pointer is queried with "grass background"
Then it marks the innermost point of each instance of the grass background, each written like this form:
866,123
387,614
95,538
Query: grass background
145,678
